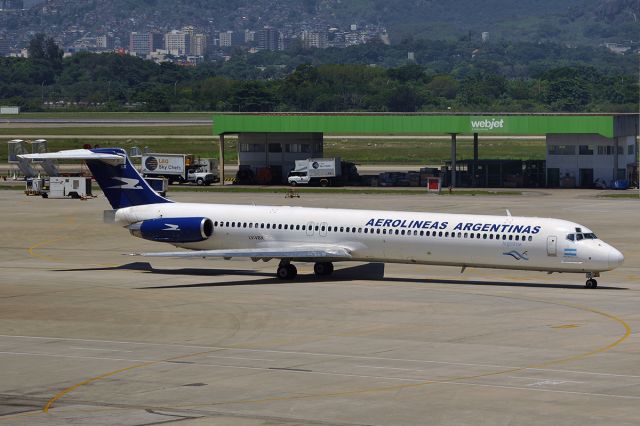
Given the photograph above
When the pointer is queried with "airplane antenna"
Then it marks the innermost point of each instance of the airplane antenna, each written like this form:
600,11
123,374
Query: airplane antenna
508,212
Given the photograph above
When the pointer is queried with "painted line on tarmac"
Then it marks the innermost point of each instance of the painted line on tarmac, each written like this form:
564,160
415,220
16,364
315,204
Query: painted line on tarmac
580,356
319,354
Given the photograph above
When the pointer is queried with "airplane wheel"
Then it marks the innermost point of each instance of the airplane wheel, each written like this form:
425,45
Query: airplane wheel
323,268
287,272
293,271
591,283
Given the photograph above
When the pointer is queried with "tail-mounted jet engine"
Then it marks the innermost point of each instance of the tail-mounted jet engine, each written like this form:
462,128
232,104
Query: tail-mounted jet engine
173,230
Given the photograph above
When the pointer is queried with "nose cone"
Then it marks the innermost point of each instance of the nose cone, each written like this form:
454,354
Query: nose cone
615,258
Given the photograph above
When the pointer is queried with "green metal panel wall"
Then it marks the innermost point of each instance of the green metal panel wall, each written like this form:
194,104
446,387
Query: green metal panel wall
414,124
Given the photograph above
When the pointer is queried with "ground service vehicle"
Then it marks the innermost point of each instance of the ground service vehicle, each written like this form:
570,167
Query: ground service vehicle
316,171
180,168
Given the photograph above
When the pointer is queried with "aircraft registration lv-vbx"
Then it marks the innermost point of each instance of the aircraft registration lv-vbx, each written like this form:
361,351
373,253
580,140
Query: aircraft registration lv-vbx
324,236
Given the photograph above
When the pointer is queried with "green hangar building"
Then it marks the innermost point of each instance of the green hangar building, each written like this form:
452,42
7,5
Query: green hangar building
581,148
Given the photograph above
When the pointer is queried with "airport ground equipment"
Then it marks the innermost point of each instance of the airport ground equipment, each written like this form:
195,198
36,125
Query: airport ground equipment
180,168
35,186
158,184
316,171
68,187
16,148
50,167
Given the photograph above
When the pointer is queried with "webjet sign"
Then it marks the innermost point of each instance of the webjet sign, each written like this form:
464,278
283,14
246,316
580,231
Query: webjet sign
487,124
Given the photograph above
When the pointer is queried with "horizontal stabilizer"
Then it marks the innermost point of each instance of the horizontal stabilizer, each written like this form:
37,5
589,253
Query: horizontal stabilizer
293,252
77,154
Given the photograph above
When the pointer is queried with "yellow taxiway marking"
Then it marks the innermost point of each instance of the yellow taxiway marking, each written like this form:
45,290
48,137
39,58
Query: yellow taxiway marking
576,357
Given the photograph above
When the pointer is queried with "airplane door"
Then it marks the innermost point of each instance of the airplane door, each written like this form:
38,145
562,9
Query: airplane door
310,228
552,249
323,229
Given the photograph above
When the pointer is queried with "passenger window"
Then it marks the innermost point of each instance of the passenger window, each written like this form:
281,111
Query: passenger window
366,230
484,236
510,237
304,227
317,227
466,235
378,231
384,231
397,232
440,234
359,230
530,238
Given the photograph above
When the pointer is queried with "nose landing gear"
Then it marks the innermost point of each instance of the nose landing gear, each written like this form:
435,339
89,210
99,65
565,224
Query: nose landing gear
591,282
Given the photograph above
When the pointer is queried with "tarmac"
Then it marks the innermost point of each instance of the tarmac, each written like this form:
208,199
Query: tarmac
89,336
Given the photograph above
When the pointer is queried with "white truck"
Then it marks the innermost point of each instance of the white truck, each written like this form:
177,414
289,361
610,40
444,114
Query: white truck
180,168
316,171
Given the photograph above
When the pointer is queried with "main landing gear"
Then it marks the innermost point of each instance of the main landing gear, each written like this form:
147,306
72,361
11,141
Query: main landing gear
286,271
323,268
591,282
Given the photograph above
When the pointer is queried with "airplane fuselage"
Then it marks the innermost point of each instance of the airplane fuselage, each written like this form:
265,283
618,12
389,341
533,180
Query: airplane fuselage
505,242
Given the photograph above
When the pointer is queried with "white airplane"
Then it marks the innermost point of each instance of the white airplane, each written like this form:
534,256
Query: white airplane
324,236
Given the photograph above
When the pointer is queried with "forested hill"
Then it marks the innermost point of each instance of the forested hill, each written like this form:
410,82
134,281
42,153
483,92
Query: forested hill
568,21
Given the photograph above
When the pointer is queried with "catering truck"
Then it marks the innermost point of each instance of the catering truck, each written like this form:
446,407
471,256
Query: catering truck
316,171
180,168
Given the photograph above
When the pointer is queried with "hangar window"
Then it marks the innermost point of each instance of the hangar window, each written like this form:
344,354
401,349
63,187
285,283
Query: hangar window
251,147
586,149
562,150
631,149
275,147
300,147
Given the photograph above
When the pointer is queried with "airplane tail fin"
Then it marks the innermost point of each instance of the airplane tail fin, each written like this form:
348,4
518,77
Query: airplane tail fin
119,180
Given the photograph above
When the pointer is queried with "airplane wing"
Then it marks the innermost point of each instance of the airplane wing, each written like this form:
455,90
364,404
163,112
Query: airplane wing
76,154
284,252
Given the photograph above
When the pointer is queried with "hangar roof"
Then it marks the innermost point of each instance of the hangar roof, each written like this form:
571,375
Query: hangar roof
607,125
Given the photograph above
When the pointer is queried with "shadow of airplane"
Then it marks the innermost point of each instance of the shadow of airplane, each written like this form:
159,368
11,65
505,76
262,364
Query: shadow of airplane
368,271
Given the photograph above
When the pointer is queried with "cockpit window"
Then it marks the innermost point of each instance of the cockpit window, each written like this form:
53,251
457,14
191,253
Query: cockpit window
580,236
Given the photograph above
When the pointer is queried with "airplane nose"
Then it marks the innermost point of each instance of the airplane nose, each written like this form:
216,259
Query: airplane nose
615,258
